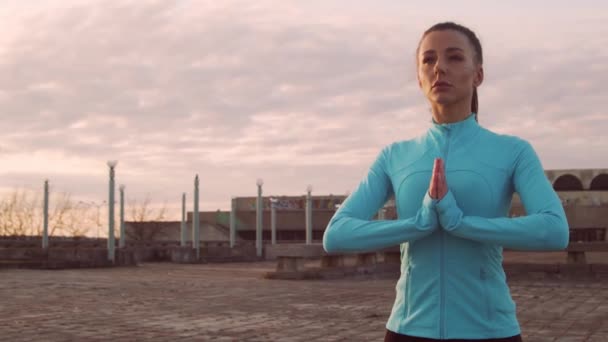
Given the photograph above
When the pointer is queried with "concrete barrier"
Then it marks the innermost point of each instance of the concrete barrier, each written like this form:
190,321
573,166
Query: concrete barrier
292,260
577,250
214,253
59,258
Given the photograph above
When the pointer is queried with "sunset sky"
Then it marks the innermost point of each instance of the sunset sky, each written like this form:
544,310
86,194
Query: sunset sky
292,92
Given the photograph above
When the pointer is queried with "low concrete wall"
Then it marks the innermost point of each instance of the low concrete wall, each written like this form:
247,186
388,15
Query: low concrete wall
213,254
557,271
54,242
75,242
56,258
225,253
183,255
87,252
312,251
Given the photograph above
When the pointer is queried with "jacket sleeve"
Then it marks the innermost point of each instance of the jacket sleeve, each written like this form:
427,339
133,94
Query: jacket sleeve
350,229
544,227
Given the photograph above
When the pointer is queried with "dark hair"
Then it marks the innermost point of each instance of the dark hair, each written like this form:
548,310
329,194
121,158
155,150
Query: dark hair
474,42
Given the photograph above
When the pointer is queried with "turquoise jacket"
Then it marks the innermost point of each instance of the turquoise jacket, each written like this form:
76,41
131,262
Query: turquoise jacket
452,284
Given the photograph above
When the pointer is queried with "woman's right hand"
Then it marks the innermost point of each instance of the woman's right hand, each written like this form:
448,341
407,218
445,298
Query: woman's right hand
438,187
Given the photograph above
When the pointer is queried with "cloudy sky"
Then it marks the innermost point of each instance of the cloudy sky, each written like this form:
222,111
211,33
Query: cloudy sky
293,92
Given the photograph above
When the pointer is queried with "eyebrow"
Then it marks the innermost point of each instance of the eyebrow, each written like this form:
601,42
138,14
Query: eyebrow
450,49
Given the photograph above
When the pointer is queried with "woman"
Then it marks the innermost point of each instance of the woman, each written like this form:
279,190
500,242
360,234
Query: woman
453,187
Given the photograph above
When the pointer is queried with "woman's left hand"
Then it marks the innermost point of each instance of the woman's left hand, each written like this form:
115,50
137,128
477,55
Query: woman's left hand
439,186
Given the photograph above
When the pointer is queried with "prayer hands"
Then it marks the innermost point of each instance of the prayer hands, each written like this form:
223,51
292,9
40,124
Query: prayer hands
438,187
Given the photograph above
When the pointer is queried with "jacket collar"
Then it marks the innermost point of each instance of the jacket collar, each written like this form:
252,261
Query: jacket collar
462,130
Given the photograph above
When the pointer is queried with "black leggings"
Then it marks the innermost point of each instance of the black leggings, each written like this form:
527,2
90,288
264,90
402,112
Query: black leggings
394,337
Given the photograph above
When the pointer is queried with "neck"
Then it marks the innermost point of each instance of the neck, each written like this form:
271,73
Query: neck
450,113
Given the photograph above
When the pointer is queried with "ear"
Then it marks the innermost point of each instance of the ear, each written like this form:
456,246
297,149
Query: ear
418,78
478,76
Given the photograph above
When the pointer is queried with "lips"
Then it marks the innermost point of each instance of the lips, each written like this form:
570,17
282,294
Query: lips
441,84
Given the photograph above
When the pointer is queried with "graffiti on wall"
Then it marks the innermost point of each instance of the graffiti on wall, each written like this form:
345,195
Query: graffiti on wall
284,203
291,203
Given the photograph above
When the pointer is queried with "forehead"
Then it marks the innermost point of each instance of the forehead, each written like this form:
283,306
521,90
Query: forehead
442,40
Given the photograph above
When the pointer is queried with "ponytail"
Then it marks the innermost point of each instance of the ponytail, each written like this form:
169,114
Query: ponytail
474,103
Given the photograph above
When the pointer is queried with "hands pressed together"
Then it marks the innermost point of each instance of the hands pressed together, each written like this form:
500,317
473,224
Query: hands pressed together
438,187
445,213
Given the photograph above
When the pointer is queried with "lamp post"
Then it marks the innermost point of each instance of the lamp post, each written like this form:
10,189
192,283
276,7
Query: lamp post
121,243
232,222
183,235
308,215
45,229
273,219
196,240
112,164
258,225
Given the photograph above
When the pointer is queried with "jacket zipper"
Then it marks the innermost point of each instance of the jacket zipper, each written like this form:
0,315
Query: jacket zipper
442,309
442,299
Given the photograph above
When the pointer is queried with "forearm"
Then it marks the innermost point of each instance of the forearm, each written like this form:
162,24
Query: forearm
544,230
346,233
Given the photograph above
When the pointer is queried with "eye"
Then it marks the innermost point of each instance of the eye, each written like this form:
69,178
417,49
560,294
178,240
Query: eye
456,58
427,60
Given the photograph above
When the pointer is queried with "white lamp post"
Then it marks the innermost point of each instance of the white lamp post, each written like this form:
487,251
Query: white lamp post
258,226
308,215
273,219
112,164
121,243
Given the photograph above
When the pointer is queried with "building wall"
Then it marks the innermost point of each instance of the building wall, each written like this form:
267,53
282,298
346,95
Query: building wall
171,231
286,219
584,209
289,202
585,176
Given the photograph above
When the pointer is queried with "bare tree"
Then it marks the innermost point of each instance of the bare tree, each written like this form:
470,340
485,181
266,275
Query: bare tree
32,212
94,218
58,220
76,220
146,222
21,213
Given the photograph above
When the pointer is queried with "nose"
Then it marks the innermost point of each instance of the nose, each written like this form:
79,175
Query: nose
440,66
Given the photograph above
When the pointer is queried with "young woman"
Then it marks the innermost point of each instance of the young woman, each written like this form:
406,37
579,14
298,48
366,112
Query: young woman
453,187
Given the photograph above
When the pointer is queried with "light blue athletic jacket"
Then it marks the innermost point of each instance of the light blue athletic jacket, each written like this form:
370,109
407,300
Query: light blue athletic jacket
452,283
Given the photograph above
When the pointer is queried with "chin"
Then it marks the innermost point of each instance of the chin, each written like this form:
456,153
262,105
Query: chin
443,99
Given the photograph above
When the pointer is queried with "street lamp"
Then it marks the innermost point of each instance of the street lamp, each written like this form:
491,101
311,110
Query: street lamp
232,222
45,228
183,236
121,243
273,219
308,214
112,164
258,226
196,240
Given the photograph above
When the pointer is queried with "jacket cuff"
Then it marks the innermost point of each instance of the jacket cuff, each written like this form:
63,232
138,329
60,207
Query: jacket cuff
450,214
427,219
428,202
